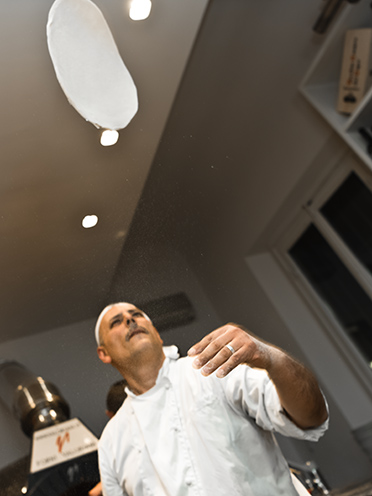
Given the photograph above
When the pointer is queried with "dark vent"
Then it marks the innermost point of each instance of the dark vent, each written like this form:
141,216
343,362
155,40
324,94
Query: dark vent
170,311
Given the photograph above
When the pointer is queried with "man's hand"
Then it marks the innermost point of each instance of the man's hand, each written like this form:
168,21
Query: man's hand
214,354
296,386
97,490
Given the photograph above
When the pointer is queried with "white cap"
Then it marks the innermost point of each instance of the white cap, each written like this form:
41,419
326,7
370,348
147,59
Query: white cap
99,321
103,313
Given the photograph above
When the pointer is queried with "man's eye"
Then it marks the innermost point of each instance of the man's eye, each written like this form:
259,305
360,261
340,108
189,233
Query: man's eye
137,314
115,322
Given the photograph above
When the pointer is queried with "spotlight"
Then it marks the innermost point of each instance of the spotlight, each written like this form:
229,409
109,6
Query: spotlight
109,137
89,221
140,9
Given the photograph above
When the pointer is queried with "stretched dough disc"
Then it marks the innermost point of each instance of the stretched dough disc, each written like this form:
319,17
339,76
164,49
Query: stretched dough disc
88,65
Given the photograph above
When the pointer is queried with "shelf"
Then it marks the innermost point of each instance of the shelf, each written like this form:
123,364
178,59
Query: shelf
321,83
359,145
363,114
324,98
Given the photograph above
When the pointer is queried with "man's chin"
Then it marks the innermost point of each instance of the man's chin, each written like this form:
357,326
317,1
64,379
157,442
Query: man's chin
142,341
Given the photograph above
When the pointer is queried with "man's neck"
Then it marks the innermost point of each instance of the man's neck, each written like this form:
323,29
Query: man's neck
141,375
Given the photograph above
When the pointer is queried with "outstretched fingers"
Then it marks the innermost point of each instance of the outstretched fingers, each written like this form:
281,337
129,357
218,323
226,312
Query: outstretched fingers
202,344
221,350
225,360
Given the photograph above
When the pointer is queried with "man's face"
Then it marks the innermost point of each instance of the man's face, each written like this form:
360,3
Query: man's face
126,330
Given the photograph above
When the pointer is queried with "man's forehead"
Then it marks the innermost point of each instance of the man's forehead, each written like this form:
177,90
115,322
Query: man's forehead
119,308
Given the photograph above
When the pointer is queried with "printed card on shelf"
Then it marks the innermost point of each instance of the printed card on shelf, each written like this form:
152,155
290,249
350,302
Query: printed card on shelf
355,71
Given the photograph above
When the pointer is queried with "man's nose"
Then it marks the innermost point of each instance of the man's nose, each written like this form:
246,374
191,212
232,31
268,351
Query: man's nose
130,321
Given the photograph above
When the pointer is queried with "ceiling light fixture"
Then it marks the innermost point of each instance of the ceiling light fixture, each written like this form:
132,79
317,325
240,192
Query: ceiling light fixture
139,9
89,221
109,137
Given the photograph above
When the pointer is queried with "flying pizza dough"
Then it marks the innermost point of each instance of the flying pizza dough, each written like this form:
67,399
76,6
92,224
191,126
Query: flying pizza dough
88,65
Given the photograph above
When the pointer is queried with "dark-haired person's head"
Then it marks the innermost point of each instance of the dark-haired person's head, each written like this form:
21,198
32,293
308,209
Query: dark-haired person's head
115,397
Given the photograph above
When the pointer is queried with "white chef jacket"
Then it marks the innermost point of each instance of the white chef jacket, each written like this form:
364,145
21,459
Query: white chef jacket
192,435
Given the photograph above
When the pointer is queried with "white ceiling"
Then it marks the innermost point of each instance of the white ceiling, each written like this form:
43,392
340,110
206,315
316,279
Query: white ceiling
220,139
54,171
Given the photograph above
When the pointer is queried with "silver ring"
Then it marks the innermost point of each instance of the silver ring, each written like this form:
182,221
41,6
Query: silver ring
228,346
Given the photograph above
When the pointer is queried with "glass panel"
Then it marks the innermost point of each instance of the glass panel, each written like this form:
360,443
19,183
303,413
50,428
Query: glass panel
336,286
349,211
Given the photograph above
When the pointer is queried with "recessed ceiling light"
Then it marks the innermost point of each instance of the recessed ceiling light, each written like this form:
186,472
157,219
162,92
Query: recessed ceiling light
109,137
139,9
89,221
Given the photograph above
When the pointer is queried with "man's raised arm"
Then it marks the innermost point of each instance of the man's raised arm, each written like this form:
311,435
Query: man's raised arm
297,388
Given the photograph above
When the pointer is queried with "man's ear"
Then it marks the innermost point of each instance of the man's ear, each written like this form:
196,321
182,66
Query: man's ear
159,337
102,355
